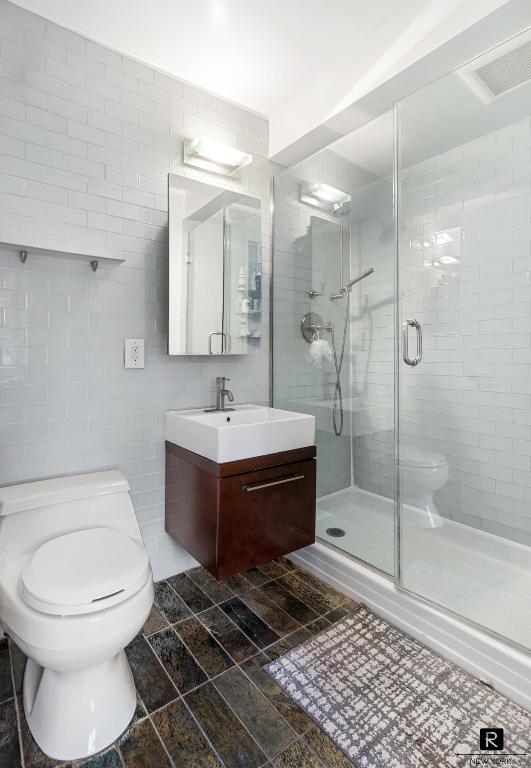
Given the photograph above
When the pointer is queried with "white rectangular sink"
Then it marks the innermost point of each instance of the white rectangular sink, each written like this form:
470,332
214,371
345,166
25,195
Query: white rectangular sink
247,431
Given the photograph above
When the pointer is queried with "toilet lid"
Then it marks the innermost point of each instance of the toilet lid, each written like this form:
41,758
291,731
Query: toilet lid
416,456
84,571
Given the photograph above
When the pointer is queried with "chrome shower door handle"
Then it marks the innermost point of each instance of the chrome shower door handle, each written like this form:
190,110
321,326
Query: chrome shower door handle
406,325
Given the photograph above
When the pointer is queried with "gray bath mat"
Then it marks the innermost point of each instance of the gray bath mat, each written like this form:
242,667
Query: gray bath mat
387,701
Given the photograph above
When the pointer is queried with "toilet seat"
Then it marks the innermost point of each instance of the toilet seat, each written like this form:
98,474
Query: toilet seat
415,456
84,571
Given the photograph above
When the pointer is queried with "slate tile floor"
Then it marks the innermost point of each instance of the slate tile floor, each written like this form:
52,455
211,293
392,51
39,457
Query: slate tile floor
204,700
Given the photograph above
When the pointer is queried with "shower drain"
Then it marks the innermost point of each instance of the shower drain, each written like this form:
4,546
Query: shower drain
337,532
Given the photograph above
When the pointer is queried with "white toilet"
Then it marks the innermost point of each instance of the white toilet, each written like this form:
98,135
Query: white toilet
422,473
75,588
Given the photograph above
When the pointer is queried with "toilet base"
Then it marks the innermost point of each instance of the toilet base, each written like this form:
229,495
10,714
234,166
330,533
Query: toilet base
75,714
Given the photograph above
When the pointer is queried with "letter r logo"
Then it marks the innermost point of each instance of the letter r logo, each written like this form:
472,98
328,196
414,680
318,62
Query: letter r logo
491,738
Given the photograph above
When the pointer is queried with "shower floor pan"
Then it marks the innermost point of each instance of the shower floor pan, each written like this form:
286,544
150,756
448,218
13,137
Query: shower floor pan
482,577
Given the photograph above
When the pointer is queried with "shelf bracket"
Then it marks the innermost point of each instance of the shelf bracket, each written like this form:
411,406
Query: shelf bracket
23,255
18,248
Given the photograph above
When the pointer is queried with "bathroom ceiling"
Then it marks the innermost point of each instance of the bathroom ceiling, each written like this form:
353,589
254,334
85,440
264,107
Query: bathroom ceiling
296,62
424,131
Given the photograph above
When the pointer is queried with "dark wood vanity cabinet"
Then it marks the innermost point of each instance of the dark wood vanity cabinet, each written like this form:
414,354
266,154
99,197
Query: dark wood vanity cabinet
234,516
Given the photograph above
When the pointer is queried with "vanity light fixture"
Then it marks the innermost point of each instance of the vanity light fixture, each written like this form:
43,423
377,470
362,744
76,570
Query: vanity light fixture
211,155
323,196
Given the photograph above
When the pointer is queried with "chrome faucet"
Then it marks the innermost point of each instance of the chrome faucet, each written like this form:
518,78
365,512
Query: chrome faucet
221,393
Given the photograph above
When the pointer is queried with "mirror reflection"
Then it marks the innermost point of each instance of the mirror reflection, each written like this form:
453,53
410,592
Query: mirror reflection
215,274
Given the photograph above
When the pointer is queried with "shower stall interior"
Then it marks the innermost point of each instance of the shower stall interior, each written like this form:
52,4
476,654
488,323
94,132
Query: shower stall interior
424,451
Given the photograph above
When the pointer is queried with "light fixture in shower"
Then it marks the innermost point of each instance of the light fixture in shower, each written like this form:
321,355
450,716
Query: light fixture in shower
448,259
435,240
419,245
211,155
323,196
443,238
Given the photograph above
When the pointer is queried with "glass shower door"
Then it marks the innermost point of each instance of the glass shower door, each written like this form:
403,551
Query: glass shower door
464,358
334,222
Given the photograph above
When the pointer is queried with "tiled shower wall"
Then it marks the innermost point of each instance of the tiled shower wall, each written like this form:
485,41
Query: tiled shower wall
373,337
87,138
298,384
307,256
470,399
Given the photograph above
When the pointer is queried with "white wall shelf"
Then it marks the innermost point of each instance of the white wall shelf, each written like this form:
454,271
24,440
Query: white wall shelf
25,252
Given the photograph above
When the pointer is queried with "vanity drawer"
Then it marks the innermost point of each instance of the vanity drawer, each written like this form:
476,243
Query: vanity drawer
265,514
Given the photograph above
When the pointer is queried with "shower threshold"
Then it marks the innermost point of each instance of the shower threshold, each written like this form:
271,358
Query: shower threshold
482,577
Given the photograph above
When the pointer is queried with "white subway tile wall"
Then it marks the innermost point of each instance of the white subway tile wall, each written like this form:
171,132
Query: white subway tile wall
373,336
308,256
465,257
87,138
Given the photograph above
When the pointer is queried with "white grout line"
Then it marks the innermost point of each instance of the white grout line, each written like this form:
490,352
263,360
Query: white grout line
240,721
119,751
203,732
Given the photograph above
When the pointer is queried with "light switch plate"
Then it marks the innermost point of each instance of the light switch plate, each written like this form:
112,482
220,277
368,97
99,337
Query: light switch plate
134,353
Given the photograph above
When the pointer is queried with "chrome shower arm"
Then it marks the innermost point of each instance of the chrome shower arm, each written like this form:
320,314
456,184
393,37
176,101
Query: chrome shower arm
346,288
357,279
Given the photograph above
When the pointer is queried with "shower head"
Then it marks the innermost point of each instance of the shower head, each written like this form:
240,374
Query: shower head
341,209
346,288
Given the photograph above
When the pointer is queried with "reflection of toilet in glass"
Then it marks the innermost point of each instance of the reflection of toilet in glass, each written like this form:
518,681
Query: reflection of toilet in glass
422,473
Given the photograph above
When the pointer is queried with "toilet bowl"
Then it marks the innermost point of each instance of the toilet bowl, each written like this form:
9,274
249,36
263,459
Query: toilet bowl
75,589
422,473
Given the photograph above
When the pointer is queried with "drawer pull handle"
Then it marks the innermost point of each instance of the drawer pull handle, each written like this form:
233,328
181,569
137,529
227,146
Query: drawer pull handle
273,482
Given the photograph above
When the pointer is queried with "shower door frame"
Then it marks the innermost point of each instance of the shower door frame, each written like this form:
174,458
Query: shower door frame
397,571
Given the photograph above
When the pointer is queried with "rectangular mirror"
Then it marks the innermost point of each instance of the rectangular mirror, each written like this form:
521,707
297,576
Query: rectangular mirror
215,270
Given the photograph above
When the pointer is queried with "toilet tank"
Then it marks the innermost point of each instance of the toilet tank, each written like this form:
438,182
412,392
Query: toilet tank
33,513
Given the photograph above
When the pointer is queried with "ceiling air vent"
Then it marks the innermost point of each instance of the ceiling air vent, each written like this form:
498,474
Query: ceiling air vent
501,70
